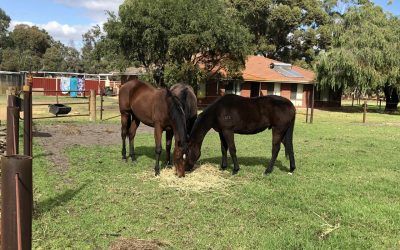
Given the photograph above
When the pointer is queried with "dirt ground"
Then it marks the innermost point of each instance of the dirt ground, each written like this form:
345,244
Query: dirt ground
55,138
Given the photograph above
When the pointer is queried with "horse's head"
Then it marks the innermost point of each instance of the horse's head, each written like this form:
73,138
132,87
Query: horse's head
192,156
180,156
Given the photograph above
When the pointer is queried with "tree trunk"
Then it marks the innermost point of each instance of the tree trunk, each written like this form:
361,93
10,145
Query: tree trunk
392,98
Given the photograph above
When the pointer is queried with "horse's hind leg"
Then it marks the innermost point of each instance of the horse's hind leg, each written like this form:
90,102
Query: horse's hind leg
125,124
277,135
168,143
132,132
289,152
157,137
224,149
229,138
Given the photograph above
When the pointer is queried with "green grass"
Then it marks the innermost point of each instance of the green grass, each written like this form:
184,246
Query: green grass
347,176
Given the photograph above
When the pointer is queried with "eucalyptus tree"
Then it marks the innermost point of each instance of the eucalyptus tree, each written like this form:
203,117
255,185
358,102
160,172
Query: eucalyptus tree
179,39
364,53
286,30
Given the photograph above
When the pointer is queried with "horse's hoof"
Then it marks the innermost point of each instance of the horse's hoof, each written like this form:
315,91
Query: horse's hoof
266,173
290,173
235,171
223,168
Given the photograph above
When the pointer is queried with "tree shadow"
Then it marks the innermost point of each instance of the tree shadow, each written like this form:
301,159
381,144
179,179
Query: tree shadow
40,134
51,203
44,154
357,109
243,160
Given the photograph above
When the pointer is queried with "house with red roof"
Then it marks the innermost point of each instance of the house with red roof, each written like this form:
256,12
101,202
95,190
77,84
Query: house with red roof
263,76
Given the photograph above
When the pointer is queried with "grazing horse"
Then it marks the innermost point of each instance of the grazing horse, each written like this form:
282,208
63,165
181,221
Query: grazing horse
232,114
188,100
158,108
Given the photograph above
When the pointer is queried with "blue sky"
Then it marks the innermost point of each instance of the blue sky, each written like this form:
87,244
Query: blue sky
67,20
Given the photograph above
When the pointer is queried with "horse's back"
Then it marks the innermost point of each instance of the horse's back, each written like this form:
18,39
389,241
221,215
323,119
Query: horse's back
252,115
141,99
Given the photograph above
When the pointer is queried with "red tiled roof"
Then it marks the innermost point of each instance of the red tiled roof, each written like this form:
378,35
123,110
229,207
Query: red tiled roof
258,69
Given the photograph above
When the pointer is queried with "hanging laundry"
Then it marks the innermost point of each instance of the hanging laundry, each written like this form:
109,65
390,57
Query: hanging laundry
81,84
73,87
65,85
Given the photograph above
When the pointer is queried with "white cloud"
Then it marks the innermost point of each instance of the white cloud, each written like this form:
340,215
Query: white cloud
61,32
95,9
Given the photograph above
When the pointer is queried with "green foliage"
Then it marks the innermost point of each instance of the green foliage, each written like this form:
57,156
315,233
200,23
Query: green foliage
285,30
25,37
177,37
53,58
364,50
4,24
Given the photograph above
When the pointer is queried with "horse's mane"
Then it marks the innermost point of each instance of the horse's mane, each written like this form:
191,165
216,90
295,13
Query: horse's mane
177,115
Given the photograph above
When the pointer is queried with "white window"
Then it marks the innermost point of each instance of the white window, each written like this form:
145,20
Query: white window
277,89
233,88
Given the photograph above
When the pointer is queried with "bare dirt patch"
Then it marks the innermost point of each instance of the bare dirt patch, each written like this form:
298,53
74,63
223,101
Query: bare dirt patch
56,138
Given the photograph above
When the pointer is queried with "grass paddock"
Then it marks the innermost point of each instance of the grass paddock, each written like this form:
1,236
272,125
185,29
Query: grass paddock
343,194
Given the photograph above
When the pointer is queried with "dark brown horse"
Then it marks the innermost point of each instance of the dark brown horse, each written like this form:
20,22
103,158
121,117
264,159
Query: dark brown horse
158,108
232,114
188,100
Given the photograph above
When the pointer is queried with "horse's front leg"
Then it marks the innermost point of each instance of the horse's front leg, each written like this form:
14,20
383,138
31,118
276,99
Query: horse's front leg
132,133
157,138
224,149
168,144
229,138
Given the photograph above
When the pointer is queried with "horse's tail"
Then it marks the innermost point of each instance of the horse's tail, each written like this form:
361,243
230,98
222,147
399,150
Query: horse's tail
288,138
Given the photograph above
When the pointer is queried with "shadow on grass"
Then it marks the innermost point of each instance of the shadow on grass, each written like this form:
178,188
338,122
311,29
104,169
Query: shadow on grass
49,204
359,109
246,161
41,134
243,160
44,154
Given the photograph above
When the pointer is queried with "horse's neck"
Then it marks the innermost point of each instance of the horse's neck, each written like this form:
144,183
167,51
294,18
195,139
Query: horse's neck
201,128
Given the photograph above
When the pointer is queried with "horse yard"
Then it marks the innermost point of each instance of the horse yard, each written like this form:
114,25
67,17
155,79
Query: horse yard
343,194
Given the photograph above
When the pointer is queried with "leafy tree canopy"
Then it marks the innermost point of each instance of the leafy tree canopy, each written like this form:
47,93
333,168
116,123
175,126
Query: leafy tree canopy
286,30
364,53
174,37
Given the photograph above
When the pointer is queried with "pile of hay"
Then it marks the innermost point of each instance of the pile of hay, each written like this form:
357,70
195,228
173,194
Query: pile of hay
132,243
71,130
203,178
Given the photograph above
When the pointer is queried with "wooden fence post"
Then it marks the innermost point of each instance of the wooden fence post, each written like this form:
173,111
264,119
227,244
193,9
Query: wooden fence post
12,125
101,104
92,105
17,202
312,105
28,116
365,111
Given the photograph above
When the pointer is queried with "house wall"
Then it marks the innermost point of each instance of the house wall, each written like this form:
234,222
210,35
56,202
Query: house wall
282,89
285,90
246,89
